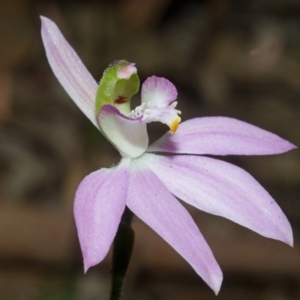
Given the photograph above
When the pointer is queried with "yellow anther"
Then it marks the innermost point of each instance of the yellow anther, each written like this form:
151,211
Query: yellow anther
174,124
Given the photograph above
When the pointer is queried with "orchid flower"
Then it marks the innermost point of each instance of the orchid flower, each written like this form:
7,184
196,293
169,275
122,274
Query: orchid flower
146,179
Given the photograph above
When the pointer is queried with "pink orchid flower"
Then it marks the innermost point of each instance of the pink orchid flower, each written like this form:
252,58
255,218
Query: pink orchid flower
146,180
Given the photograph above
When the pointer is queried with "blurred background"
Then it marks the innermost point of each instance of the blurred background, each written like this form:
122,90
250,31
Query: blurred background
232,58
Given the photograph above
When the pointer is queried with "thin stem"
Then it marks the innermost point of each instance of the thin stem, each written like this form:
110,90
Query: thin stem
122,249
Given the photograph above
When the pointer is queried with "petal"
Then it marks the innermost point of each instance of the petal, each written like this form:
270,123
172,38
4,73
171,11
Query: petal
158,96
149,199
222,189
98,208
220,136
69,69
158,91
128,135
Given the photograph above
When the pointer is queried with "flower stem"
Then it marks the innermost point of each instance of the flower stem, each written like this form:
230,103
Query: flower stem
122,250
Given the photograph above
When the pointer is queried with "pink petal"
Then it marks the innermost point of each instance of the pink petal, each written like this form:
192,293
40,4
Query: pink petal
128,135
149,199
98,208
158,91
69,69
222,189
220,136
158,96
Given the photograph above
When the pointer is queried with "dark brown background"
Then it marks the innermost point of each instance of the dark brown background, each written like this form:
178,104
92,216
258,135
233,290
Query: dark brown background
231,58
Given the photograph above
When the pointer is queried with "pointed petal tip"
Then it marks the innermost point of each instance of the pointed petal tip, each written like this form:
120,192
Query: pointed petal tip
45,20
286,233
290,240
85,269
286,239
291,146
86,266
89,261
48,25
217,282
217,290
284,146
213,276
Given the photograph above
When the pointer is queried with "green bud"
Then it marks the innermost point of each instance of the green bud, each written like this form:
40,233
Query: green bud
118,84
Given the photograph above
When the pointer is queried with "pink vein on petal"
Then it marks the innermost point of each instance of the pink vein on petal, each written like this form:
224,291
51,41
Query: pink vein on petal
222,189
220,136
69,69
149,199
98,208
